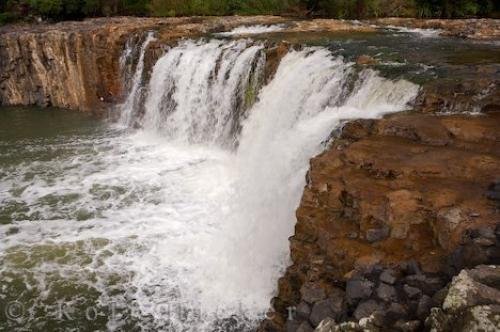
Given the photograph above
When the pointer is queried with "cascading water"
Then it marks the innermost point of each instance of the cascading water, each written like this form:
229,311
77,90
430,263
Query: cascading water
198,91
174,224
131,104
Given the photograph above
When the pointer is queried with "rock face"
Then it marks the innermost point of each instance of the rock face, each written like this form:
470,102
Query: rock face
76,65
471,304
391,212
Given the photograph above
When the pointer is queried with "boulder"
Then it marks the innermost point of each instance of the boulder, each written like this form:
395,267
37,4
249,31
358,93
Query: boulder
386,293
333,307
388,276
465,292
412,292
358,289
303,311
367,308
305,327
312,292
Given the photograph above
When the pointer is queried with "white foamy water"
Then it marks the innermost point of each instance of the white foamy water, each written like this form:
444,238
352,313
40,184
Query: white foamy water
424,33
131,104
253,30
176,214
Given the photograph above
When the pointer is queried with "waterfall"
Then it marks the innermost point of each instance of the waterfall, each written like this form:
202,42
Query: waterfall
182,224
196,96
131,104
199,91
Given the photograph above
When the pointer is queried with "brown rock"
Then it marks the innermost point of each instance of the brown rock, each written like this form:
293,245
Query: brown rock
366,60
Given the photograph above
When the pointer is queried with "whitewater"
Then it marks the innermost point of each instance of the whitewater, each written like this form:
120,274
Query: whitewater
181,211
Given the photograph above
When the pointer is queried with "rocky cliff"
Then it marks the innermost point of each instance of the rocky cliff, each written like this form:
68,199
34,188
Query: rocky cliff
75,65
69,66
392,210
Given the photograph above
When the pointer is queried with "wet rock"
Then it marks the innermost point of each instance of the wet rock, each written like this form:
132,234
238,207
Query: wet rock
357,129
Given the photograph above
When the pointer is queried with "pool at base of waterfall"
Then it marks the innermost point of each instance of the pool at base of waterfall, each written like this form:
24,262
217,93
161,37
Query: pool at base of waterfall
183,224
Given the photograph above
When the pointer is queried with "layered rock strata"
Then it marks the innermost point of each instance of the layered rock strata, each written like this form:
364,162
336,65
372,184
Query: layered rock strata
392,211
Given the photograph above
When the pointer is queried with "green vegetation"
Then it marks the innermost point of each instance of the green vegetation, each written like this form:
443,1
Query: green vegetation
11,10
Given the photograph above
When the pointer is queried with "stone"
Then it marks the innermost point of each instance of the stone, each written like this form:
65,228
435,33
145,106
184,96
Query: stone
312,292
377,234
465,292
367,308
494,192
486,274
412,292
366,60
388,276
483,242
334,307
358,289
386,293
327,325
448,219
480,318
439,296
303,311
428,285
410,326
424,307
410,267
396,311
292,325
320,311
486,232
305,327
